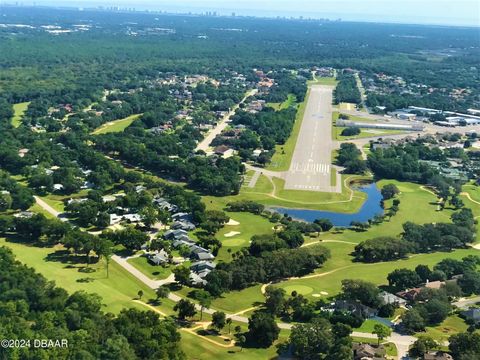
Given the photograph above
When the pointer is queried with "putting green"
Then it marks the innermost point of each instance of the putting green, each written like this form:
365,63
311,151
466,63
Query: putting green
300,289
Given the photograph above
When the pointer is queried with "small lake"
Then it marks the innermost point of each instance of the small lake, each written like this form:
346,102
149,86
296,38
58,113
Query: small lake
370,208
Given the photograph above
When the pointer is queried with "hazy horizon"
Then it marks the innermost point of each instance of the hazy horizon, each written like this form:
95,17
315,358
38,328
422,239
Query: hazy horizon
439,12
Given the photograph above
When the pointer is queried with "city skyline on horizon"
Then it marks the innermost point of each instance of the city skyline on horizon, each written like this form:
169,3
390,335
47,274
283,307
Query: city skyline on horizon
428,12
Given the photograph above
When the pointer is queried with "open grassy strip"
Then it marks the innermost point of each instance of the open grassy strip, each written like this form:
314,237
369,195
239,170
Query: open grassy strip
323,81
116,126
117,291
283,153
365,133
266,194
333,177
283,105
155,272
18,112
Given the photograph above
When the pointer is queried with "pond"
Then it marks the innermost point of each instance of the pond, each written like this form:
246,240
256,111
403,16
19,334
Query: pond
370,208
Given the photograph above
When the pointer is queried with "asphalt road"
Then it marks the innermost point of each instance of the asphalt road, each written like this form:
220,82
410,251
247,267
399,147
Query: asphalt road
222,125
310,169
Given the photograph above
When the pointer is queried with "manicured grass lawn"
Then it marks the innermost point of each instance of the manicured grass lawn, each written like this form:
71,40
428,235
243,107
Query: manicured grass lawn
152,271
54,201
365,133
38,209
284,105
333,177
451,325
117,291
317,200
116,126
236,301
249,225
283,153
416,205
375,273
18,111
197,348
473,190
263,186
263,190
367,326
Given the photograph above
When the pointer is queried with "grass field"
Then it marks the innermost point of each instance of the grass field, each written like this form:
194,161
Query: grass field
365,133
198,348
333,177
116,126
324,81
417,205
117,291
284,105
451,325
152,271
266,194
18,111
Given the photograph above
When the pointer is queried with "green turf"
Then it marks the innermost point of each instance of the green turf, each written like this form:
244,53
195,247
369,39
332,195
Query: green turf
117,291
451,325
236,301
263,185
367,326
302,290
18,112
416,205
197,348
249,225
333,177
264,193
324,81
116,126
38,209
364,134
283,105
155,272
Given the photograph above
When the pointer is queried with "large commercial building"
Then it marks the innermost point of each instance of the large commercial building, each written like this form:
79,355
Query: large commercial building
409,127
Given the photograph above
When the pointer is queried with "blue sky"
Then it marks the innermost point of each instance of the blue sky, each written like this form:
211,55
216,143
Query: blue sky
445,12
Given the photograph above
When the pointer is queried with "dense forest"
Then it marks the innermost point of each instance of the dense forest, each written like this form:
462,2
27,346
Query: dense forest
33,308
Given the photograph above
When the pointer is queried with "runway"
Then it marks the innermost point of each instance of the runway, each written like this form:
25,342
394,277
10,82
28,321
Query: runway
310,169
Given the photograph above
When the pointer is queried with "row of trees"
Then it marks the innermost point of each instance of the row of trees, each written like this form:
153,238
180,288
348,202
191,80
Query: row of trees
248,270
347,89
31,299
420,238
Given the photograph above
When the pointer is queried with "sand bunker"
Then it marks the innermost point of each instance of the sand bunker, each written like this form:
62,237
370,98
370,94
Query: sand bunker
231,233
232,222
